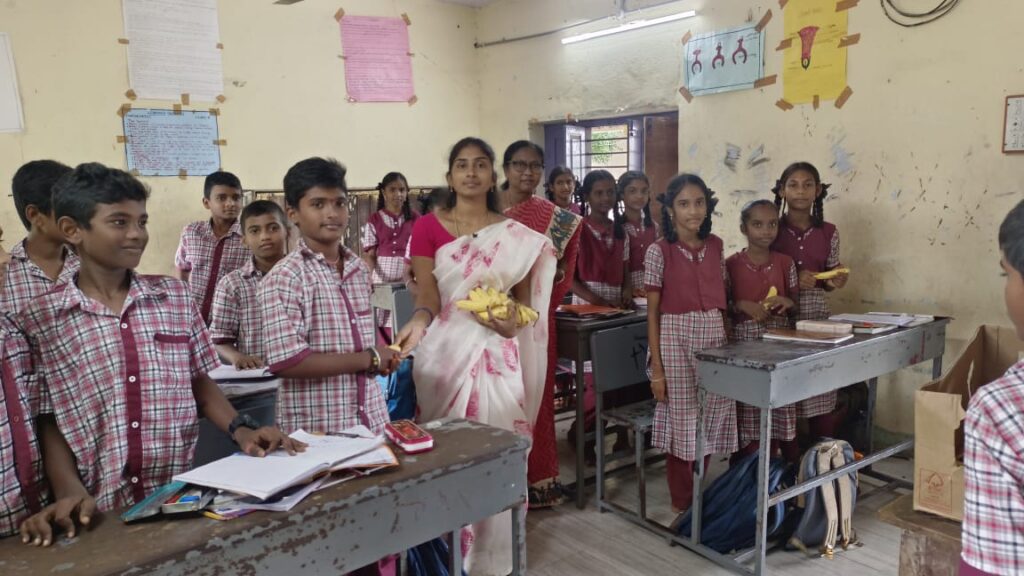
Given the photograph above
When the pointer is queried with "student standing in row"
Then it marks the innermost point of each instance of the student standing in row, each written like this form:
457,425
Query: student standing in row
602,270
236,323
123,421
686,297
634,192
386,236
561,189
209,249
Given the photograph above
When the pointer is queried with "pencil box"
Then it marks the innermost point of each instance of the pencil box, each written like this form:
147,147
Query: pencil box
825,327
189,499
408,436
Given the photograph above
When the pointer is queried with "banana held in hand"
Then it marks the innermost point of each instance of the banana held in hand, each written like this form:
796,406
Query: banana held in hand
488,303
772,293
829,274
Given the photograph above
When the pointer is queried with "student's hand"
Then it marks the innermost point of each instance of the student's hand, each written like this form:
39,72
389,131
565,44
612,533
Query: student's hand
640,292
265,440
411,334
248,362
807,280
838,282
38,530
779,305
753,309
389,359
507,328
659,385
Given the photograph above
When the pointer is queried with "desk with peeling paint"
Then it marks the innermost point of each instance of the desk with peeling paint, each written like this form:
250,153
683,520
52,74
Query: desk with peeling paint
473,472
769,374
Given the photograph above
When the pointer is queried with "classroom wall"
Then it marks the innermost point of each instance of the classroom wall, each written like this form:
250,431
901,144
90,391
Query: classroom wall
920,183
285,90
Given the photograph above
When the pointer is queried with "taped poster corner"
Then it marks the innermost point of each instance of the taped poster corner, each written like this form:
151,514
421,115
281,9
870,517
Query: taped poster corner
849,40
220,45
220,98
785,44
130,94
413,100
182,173
686,37
782,3
350,100
121,139
405,17
816,102
339,14
569,117
783,105
410,54
124,109
135,173
177,109
764,21
341,56
685,94
846,5
220,142
844,96
766,81
214,111
185,98
122,41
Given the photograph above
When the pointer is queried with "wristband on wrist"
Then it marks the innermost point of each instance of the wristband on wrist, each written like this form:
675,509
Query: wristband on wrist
430,315
374,361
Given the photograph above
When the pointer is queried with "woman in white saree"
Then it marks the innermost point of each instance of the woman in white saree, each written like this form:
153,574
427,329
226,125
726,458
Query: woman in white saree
491,371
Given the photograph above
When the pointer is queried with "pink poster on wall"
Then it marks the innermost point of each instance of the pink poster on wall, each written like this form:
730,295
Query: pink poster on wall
378,64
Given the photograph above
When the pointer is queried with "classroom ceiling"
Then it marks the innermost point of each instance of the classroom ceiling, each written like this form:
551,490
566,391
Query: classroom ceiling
475,3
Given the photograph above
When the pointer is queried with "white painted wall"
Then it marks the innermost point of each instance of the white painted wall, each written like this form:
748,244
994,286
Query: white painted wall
920,183
285,90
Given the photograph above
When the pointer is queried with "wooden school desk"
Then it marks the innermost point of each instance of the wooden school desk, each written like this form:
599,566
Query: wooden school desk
767,375
473,472
574,344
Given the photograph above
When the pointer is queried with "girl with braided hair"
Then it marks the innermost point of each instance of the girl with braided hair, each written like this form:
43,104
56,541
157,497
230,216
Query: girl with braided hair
813,244
385,238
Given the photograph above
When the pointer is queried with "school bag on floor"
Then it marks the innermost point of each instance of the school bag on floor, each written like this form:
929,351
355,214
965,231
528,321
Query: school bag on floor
827,510
730,505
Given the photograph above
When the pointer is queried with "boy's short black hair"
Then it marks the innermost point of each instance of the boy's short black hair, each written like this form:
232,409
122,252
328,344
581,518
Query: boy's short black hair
77,194
262,208
220,179
1011,237
32,185
310,173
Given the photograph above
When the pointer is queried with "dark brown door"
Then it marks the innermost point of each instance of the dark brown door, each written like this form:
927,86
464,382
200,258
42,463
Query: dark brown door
661,155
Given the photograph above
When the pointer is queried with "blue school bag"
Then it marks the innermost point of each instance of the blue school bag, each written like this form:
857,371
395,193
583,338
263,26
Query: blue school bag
730,505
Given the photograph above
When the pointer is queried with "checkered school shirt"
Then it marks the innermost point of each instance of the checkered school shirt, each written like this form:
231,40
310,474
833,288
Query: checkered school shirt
389,268
236,317
26,281
993,526
309,306
21,473
120,386
208,259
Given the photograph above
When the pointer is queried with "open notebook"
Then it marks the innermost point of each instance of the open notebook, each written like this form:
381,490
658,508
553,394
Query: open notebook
265,477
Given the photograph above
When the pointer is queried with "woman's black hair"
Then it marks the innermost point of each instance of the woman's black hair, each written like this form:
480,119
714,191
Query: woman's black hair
516,147
625,180
549,186
492,194
588,185
1011,237
436,197
818,210
388,179
667,199
745,213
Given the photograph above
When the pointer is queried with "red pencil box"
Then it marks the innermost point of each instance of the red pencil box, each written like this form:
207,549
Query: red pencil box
408,436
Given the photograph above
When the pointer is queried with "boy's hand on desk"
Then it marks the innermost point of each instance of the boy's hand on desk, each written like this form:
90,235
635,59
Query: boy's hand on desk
753,309
248,362
38,529
265,440
807,280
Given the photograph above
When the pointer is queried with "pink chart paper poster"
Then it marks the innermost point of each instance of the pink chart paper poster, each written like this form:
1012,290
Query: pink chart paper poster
378,67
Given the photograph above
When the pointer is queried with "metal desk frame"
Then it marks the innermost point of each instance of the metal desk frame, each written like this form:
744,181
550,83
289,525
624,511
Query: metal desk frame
574,344
769,375
474,471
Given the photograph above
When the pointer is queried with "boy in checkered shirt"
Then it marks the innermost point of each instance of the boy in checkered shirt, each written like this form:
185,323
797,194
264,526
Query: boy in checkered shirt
121,361
993,525
42,259
209,249
237,321
317,321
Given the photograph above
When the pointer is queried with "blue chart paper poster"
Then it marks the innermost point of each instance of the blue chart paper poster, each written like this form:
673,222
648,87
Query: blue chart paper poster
163,143
723,61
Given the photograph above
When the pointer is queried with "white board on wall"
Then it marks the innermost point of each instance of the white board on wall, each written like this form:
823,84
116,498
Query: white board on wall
11,119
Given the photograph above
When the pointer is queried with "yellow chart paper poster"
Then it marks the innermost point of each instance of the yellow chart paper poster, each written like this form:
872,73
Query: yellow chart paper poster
814,64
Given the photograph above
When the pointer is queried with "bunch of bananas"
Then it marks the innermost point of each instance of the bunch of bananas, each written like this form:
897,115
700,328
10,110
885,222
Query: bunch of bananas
488,302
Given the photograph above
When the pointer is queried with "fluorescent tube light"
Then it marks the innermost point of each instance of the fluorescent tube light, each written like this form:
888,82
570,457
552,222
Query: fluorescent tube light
634,25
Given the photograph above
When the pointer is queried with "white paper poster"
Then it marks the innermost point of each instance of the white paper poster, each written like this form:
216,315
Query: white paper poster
11,119
173,49
724,60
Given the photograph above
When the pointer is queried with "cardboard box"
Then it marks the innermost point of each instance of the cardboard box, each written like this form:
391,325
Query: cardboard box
939,409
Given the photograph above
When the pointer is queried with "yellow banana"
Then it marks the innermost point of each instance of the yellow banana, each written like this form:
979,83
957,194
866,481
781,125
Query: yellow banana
772,293
829,274
490,303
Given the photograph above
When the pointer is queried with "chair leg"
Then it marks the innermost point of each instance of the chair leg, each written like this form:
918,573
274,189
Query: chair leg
599,448
641,478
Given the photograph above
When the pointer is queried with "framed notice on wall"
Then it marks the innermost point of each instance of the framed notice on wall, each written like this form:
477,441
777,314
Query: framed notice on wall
1013,125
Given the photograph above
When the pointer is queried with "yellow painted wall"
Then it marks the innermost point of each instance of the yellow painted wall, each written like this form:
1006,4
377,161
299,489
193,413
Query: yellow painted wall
285,90
920,183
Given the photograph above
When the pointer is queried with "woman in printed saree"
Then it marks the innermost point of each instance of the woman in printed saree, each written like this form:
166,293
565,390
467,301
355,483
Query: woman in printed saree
487,366
523,163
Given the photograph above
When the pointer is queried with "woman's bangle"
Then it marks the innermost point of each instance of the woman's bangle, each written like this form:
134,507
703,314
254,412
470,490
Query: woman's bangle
430,314
657,380
374,361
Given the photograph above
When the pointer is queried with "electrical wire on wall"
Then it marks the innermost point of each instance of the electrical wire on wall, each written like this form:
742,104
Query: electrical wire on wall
909,19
